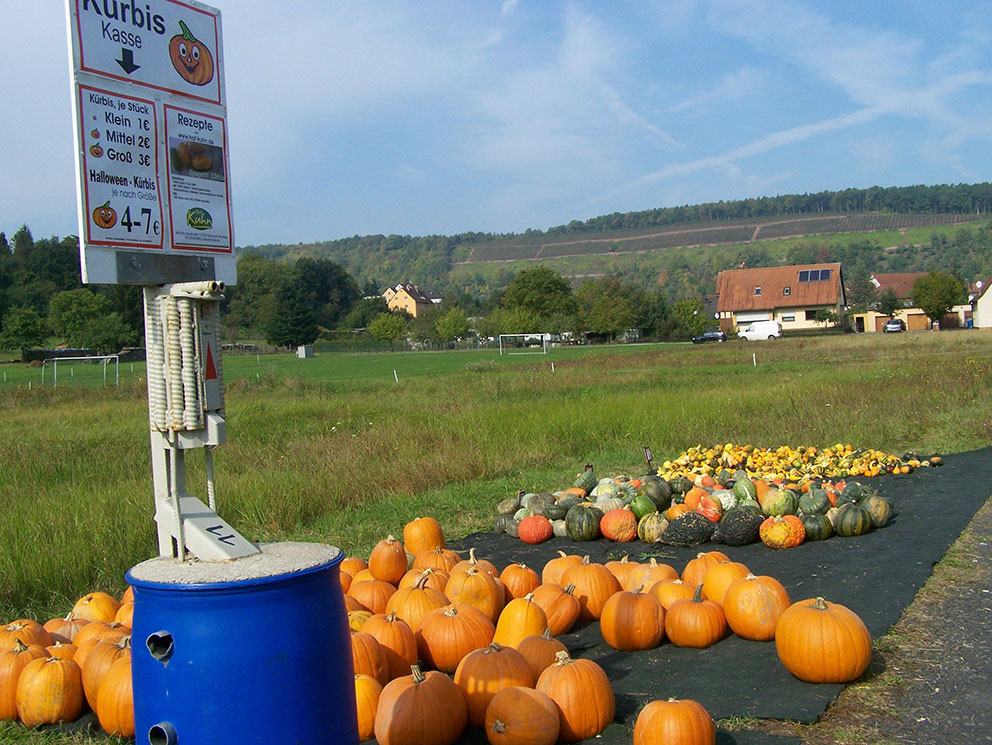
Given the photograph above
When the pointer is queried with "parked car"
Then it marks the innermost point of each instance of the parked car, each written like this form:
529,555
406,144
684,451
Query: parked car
761,330
893,325
711,335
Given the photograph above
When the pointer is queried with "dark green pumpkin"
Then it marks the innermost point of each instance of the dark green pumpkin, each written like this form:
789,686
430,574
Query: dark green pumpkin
753,507
814,502
500,523
651,526
556,511
513,528
853,493
539,504
818,526
582,522
568,502
642,506
852,519
657,490
778,502
879,509
680,485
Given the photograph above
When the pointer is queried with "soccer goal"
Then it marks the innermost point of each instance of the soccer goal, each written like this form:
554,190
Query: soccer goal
84,368
524,343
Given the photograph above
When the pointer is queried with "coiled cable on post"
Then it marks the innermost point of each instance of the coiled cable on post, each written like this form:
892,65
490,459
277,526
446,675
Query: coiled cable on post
155,372
174,363
192,410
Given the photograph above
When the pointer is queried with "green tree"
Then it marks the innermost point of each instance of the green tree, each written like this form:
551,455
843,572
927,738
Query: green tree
606,306
251,305
451,325
422,328
87,321
388,327
330,288
294,321
936,293
860,291
362,312
889,302
826,316
690,320
22,328
541,290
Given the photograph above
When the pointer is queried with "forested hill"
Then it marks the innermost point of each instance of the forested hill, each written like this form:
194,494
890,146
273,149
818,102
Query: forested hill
457,263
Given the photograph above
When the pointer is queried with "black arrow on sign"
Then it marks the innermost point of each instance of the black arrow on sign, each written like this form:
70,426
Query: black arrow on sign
127,60
222,538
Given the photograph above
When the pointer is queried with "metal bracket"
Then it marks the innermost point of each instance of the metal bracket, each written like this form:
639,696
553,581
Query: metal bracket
145,268
207,536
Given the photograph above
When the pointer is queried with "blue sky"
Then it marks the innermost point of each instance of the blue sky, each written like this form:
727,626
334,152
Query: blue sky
353,117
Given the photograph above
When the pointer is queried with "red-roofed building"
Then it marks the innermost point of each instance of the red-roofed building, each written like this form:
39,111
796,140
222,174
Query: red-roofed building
901,283
791,295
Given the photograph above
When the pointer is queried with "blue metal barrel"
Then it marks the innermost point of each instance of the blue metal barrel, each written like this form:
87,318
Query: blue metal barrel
255,650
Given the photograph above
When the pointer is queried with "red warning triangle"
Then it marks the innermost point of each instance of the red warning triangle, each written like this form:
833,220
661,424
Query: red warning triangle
211,369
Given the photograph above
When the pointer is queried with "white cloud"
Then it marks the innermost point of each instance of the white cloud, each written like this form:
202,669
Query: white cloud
734,86
508,7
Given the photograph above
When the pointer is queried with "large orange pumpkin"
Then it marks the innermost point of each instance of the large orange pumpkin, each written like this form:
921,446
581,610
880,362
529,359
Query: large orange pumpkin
695,569
446,635
49,691
519,580
822,642
422,534
753,606
387,562
583,695
621,569
667,591
674,722
521,716
367,692
368,657
413,603
485,672
719,577
396,639
64,629
422,708
25,631
541,651
97,606
190,57
555,568
560,606
477,588
437,579
115,699
12,663
696,622
373,594
98,662
645,575
472,562
632,620
594,584
521,617
437,558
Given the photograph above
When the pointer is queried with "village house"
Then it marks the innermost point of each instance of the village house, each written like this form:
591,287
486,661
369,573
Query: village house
791,295
981,305
913,318
410,298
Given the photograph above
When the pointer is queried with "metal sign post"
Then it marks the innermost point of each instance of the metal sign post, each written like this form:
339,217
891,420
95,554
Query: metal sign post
150,115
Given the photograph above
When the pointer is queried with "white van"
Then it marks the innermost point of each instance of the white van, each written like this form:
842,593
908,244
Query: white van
761,330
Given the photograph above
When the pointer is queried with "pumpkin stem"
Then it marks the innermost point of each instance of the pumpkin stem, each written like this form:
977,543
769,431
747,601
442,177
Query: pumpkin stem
493,647
562,657
499,727
392,616
418,677
422,580
697,597
819,604
471,556
570,589
585,559
547,633
187,34
19,646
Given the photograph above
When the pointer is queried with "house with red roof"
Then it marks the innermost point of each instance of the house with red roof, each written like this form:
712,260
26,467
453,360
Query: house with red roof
791,295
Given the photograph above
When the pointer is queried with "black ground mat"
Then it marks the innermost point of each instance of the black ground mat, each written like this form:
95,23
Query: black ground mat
876,575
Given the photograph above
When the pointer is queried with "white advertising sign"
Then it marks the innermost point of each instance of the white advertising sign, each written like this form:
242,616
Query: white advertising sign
151,138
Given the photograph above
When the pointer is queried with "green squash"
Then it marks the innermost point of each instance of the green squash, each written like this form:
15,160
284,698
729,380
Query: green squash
568,502
852,519
853,493
641,506
586,480
582,522
818,526
879,509
556,511
500,523
657,490
651,526
539,504
753,507
745,490
680,484
508,506
778,502
814,502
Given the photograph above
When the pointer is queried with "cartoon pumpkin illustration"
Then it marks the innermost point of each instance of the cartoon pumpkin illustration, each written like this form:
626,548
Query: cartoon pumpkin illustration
105,216
96,151
190,57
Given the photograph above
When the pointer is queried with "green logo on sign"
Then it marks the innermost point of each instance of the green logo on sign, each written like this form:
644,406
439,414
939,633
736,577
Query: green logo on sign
199,219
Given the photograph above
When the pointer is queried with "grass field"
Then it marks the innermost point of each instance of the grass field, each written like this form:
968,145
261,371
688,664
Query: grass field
347,461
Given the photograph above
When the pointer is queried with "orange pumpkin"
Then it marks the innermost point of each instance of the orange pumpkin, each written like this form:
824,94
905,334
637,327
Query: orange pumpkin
719,577
518,715
97,606
422,534
353,565
190,57
621,569
64,629
822,642
674,722
560,606
413,603
105,216
420,707
485,672
367,692
368,657
521,617
632,620
555,568
447,634
695,569
12,663
25,631
476,588
396,639
667,591
696,622
98,662
583,695
437,579
60,649
437,558
372,594
594,584
387,562
125,614
540,651
472,562
115,700
519,580
646,575
49,691
753,606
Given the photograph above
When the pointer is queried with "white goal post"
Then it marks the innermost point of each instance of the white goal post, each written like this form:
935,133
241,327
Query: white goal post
533,343
103,359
